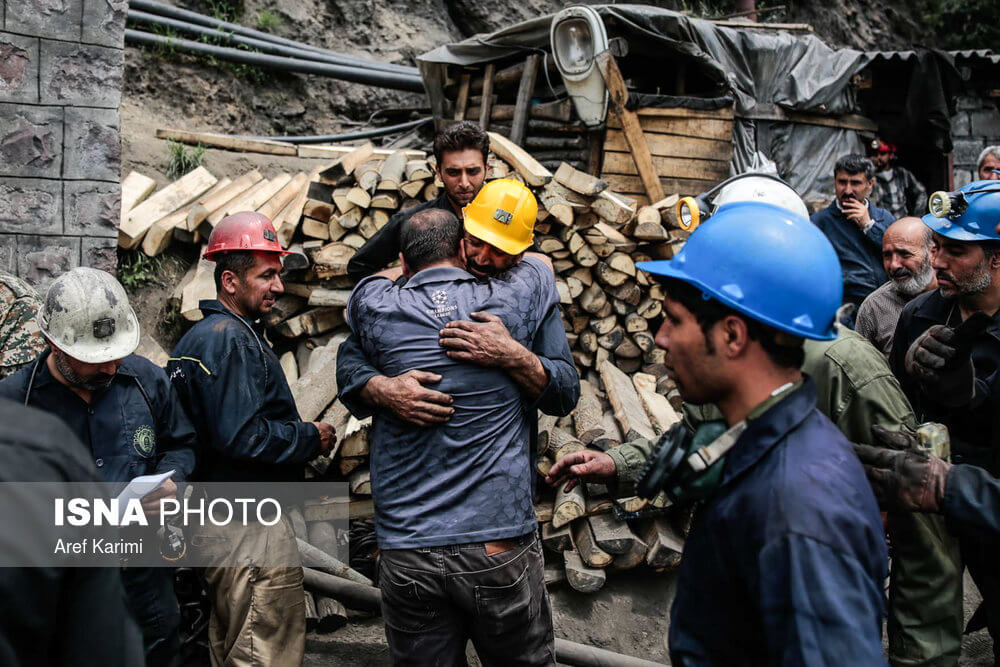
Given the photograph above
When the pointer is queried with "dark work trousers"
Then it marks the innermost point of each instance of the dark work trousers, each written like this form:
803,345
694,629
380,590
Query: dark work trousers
435,599
149,593
981,553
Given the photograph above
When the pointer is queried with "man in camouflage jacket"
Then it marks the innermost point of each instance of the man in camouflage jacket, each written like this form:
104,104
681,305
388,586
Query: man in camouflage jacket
20,339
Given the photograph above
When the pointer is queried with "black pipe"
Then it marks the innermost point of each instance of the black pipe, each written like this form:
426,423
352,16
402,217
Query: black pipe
347,136
194,17
343,72
261,45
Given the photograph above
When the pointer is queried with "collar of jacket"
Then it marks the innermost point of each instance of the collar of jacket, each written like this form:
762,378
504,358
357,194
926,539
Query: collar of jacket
438,274
937,308
44,376
768,429
215,306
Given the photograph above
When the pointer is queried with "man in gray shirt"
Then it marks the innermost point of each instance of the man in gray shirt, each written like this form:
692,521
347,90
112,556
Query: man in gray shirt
906,256
453,502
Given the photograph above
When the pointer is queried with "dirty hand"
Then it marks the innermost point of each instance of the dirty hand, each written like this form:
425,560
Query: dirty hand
485,342
936,362
857,212
151,501
408,399
907,480
327,436
586,465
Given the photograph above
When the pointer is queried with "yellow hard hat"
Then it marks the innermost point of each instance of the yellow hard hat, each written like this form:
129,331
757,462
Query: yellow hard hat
503,215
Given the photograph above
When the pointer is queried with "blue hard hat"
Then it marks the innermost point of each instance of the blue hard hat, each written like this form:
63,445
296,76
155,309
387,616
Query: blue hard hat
970,214
766,262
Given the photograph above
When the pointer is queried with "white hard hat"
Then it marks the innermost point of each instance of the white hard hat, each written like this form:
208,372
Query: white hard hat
762,189
86,314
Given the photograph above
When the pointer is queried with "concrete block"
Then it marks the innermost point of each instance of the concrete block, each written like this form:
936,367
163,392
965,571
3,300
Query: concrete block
104,22
80,74
58,19
18,68
962,177
93,145
42,259
986,123
31,205
99,253
92,208
966,151
8,253
30,141
960,124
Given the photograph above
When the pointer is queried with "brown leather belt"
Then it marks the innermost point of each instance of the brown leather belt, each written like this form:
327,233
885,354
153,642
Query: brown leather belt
500,546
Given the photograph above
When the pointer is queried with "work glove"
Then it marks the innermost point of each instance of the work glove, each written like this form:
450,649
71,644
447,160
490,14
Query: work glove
903,476
941,360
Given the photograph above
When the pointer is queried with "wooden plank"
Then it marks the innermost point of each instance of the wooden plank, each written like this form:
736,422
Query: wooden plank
207,205
725,113
283,196
580,577
629,185
462,100
159,235
669,145
182,191
703,128
250,200
334,151
618,100
528,167
775,113
625,402
287,220
135,188
524,93
226,141
667,167
561,111
487,104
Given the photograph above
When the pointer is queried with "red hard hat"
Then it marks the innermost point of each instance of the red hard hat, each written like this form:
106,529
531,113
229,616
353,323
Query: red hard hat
879,146
246,231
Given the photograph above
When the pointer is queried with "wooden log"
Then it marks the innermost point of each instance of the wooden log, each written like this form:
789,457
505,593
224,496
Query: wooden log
316,388
578,181
524,94
593,299
360,482
135,188
252,199
561,444
201,287
289,367
609,276
650,308
603,325
348,159
611,535
462,99
587,422
635,322
661,414
319,210
613,207
417,170
534,174
315,229
486,107
613,338
226,141
329,297
619,261
612,432
312,618
626,403
367,176
412,189
331,615
341,200
354,240
355,438
207,205
385,200
556,539
390,172
568,506
630,559
360,197
583,541
332,260
161,232
318,554
284,307
311,323
174,196
664,544
581,577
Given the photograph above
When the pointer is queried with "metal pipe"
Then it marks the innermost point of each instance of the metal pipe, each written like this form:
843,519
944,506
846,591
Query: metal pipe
194,17
261,45
347,136
343,72
369,598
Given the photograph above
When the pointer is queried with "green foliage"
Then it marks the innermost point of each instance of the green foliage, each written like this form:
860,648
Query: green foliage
965,24
135,269
268,21
184,158
226,10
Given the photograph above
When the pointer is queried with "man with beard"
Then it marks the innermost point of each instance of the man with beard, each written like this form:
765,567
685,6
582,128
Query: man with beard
124,410
946,351
232,385
988,164
460,152
854,225
896,189
906,256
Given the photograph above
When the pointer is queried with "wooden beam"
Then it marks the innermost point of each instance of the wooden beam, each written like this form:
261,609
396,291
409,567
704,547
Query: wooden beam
487,104
524,93
775,113
699,128
182,191
159,235
462,100
135,188
206,205
528,167
626,403
578,181
618,99
335,151
667,167
669,145
227,141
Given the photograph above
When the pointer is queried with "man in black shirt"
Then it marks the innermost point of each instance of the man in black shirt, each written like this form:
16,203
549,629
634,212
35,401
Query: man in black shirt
461,150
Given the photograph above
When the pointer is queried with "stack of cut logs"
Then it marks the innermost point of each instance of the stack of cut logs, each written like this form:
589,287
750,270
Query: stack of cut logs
594,238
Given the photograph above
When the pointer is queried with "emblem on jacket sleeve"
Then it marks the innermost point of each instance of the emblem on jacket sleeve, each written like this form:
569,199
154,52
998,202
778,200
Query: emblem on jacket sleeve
144,440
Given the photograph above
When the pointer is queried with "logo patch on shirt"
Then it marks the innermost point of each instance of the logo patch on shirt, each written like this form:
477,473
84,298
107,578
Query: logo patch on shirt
440,299
144,440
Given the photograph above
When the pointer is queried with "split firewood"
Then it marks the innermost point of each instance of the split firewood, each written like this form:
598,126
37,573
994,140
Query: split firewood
664,544
417,170
556,539
587,415
332,260
569,505
561,444
412,189
207,205
625,401
353,240
611,535
360,197
360,482
341,201
312,618
578,181
316,229
312,322
581,577
367,176
331,615
355,437
612,433
583,541
289,367
528,167
135,188
317,388
631,558
390,172
543,511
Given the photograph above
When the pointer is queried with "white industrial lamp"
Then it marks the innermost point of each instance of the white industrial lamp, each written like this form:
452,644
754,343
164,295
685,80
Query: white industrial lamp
577,35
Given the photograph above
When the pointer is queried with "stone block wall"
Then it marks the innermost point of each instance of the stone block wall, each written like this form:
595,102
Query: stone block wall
61,67
974,126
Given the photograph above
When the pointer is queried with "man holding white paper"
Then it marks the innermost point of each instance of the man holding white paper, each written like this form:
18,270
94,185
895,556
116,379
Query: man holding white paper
124,410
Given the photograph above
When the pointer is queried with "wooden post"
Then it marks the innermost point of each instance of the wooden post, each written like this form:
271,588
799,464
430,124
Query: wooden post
618,97
487,104
523,105
462,101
